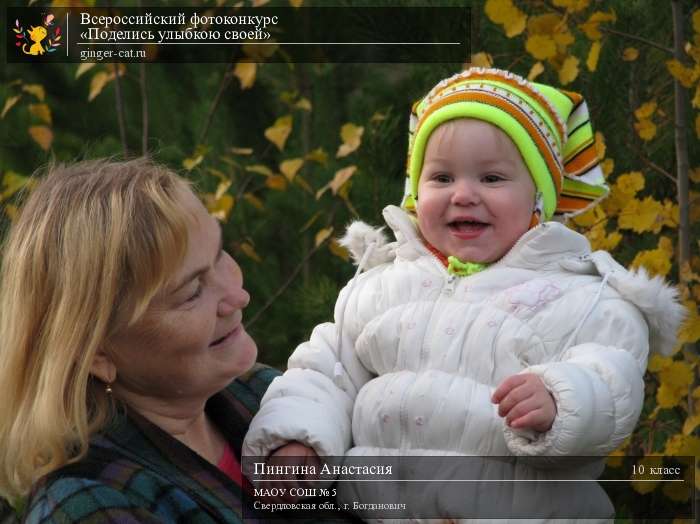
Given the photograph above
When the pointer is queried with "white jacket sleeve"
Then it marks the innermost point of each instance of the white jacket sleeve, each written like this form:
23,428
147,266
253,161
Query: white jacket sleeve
309,403
597,385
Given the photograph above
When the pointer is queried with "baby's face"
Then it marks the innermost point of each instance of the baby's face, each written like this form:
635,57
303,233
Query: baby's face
475,194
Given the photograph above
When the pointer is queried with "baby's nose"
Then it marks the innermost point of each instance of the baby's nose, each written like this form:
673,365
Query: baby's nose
465,193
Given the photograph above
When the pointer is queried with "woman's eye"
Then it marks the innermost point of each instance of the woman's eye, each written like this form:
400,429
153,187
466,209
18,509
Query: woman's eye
196,294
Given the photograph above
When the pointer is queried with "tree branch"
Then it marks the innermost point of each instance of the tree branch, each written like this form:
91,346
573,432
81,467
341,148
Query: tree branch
144,109
120,110
636,38
285,285
225,81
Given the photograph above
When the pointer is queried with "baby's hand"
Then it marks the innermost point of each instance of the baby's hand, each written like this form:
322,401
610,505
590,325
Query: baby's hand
291,454
525,402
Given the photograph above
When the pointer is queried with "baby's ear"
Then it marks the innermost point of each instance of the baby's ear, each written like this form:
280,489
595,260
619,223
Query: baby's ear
103,367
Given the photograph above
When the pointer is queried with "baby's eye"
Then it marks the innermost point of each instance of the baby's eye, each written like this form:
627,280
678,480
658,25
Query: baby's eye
492,178
443,178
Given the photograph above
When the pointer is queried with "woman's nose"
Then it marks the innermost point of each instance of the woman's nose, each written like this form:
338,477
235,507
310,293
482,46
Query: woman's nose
233,297
465,193
236,298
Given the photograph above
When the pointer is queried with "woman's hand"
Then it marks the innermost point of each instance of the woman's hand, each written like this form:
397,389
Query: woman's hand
291,454
525,402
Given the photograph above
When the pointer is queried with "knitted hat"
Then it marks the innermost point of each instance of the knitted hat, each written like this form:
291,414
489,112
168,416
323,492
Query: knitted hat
550,127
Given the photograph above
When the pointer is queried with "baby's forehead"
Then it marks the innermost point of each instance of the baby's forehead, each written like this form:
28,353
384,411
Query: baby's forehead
443,136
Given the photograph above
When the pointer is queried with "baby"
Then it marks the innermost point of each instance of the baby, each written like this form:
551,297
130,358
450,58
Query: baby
485,328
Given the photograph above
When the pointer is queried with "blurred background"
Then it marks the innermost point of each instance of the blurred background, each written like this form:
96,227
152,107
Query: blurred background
287,154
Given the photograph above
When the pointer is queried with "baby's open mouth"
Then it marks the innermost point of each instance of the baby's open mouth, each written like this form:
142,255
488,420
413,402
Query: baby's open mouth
466,225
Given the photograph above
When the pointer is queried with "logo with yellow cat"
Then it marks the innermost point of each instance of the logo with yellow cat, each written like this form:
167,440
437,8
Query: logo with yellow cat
40,39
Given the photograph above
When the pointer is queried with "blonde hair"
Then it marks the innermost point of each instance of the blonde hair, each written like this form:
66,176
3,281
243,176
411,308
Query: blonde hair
95,241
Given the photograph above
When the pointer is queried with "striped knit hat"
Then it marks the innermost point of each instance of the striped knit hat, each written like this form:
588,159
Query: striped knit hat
549,126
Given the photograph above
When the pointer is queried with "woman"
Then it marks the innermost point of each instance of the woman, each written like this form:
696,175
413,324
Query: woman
121,336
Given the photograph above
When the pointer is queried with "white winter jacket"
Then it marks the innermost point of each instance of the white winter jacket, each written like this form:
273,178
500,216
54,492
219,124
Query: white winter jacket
422,352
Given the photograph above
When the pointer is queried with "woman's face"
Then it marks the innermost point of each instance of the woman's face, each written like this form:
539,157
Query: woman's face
191,342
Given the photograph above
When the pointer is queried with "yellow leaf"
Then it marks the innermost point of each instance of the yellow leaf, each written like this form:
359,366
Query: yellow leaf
677,491
685,75
276,182
608,166
646,110
666,245
259,3
97,84
614,460
630,183
691,423
515,22
592,26
11,101
260,169
303,103
318,155
658,363
599,238
84,68
616,201
299,180
668,397
11,183
646,129
338,250
245,72
190,163
541,47
322,235
696,98
655,261
296,3
481,60
569,70
42,135
696,20
678,375
536,70
220,208
496,10
690,329
291,167
41,111
600,145
377,117
311,221
35,89
250,251
351,135
254,201
694,175
279,131
630,54
242,150
573,6
546,24
593,55
340,178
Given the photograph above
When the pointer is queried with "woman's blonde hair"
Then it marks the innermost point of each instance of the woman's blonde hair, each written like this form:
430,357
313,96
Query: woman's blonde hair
95,241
